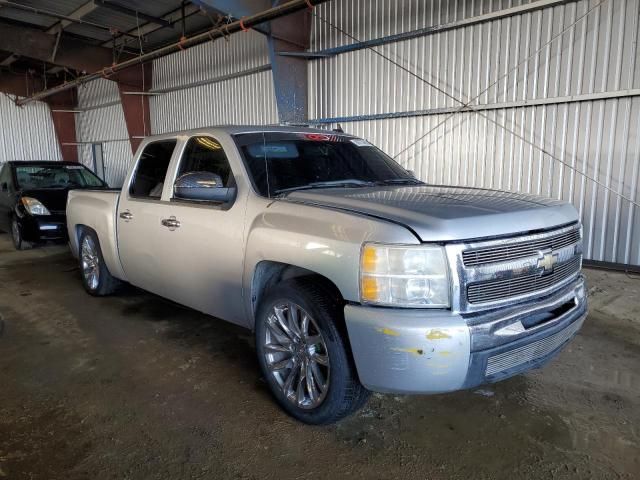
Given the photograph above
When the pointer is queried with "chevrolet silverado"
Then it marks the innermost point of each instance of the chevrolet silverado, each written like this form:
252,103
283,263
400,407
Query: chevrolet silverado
354,275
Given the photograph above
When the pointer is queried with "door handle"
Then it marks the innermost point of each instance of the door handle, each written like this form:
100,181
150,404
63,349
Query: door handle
127,215
171,223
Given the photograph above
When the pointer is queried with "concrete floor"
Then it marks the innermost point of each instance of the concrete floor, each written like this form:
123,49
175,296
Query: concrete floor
135,387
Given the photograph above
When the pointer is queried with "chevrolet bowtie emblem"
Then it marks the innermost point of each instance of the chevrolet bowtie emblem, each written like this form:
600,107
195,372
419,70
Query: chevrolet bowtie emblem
546,261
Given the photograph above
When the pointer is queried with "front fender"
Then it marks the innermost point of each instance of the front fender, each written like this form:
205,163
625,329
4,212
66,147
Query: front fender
322,240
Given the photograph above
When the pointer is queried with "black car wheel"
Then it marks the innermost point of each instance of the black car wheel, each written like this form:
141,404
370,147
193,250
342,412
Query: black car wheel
16,235
304,356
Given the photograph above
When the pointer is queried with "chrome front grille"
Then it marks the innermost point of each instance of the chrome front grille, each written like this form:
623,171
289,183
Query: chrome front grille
501,253
513,287
500,272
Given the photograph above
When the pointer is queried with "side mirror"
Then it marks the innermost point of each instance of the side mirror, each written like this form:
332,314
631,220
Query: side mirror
4,187
202,187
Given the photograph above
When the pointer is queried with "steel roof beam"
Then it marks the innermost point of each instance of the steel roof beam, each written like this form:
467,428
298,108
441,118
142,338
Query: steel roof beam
283,9
73,17
21,85
291,34
118,7
172,17
71,53
65,20
235,8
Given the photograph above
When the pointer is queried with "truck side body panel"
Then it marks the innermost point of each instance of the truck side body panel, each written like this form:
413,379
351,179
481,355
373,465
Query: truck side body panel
329,246
96,209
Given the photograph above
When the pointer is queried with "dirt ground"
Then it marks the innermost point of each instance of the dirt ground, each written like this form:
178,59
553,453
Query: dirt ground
134,387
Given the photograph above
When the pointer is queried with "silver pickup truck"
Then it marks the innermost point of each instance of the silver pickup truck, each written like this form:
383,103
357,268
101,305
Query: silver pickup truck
355,276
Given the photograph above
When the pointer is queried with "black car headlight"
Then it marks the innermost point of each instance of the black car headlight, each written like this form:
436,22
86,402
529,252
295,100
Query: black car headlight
34,207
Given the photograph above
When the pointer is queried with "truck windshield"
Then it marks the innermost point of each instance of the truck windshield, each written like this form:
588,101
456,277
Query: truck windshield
281,162
32,177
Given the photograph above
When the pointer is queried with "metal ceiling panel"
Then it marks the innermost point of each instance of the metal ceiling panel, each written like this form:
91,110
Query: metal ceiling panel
25,17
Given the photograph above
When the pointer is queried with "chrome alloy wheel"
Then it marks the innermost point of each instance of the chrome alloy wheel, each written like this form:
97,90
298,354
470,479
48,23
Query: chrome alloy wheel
296,355
90,263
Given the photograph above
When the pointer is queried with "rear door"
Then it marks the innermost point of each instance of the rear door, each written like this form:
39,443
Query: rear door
140,210
201,260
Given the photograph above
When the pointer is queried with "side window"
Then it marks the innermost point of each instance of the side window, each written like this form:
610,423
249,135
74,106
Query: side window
148,180
205,154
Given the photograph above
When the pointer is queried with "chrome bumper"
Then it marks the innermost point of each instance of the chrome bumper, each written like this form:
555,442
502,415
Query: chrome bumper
432,351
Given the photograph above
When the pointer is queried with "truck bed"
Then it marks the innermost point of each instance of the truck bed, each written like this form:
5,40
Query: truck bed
96,209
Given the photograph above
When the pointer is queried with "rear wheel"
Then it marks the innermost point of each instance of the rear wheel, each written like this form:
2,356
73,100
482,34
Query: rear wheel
16,236
96,278
303,355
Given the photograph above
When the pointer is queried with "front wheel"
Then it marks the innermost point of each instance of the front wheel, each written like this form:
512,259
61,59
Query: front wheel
303,355
96,278
16,236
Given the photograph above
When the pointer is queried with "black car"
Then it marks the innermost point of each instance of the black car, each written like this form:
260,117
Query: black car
33,198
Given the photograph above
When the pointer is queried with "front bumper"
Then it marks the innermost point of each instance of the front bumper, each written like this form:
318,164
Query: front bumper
433,351
40,228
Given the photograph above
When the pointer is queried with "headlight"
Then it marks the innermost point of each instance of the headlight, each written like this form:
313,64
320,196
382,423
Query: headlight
404,276
34,207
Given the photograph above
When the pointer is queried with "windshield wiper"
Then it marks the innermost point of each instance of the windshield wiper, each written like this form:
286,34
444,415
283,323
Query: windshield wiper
336,183
401,181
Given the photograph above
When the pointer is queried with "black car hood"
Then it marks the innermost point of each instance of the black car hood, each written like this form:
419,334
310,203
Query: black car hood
55,199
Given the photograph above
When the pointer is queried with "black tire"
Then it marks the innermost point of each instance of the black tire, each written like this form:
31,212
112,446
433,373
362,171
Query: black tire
106,283
344,395
16,236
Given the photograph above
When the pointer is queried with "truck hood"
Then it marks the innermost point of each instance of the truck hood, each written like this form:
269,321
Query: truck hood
443,213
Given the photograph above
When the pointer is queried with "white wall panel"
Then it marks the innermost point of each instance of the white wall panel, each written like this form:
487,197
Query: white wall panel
599,137
248,99
239,53
243,100
97,93
27,133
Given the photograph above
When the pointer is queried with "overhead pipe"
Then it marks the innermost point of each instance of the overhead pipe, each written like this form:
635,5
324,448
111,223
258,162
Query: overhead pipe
243,24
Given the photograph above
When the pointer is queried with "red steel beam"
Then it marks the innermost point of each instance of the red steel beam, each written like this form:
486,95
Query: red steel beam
68,52
64,122
285,8
136,79
21,85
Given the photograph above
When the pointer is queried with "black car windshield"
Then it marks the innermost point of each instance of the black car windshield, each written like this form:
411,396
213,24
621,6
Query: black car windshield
281,162
33,177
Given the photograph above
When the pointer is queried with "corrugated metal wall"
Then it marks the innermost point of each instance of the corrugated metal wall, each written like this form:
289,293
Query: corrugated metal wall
103,122
578,98
217,83
27,133
595,59
223,82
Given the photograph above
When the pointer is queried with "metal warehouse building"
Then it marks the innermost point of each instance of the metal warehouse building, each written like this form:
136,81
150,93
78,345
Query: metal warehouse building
539,97
319,239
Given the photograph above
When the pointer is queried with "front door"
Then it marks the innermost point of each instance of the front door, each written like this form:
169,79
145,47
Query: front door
202,242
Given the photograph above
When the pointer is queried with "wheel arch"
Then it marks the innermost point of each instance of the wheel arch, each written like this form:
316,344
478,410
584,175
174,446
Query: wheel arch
268,273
